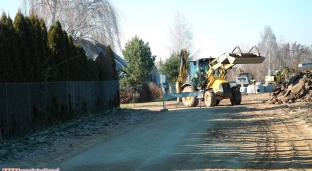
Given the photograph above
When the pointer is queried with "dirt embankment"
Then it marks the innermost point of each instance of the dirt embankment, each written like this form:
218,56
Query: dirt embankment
299,89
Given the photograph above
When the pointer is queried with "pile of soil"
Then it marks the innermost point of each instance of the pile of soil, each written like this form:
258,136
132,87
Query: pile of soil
298,89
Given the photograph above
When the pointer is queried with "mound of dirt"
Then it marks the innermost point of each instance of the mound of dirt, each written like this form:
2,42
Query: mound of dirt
299,89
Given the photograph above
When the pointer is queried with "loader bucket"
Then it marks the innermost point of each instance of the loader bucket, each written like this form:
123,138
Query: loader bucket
246,59
242,58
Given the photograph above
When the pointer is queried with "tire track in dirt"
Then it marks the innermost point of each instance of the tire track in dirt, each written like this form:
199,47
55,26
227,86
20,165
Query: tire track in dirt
301,146
285,145
264,144
265,138
268,155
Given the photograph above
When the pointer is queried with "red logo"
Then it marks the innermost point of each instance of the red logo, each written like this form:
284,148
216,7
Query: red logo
11,169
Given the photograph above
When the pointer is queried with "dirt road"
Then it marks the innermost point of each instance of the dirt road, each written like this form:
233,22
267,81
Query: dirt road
251,136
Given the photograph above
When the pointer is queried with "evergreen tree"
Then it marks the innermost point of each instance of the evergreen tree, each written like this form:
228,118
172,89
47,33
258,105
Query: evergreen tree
71,56
3,56
34,39
22,29
6,72
39,39
50,72
140,62
46,51
92,70
110,55
32,48
13,49
57,47
106,65
100,61
171,68
82,58
74,62
66,58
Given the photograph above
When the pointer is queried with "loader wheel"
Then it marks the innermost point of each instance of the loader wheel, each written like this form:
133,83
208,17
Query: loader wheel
189,101
236,98
210,98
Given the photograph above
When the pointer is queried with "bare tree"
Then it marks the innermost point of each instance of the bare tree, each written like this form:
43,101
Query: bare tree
181,35
95,20
299,54
269,48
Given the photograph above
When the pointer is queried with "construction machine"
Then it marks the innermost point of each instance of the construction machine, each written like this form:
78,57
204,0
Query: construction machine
244,79
207,76
281,76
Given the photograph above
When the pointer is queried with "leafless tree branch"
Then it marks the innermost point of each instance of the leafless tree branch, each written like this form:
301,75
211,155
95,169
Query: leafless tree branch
95,20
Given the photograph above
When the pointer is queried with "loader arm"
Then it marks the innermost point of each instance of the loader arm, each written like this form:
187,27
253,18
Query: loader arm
182,70
228,60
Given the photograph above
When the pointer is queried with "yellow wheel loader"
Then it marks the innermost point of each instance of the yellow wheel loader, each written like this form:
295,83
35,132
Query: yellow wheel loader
207,76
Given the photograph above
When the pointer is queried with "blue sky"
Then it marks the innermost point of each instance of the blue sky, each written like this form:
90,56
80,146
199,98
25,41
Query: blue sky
218,25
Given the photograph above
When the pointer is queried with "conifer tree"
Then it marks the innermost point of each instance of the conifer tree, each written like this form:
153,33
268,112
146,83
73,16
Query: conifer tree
73,53
50,70
92,71
6,70
67,57
110,55
139,60
33,37
22,30
58,51
82,64
39,45
100,61
45,67
13,49
3,56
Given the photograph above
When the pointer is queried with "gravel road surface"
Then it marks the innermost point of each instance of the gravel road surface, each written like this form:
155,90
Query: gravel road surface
251,136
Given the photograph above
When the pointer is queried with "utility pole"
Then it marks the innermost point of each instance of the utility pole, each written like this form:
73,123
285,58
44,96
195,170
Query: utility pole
269,63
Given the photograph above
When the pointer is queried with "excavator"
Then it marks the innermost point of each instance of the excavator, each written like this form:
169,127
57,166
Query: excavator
281,76
207,76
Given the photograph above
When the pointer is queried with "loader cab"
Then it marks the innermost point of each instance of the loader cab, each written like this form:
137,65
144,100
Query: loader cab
198,69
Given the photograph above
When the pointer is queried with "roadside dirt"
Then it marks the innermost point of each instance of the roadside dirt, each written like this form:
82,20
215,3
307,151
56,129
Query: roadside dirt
251,136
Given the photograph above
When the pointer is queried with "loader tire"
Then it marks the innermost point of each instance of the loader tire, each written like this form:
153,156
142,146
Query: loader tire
189,101
236,98
210,98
